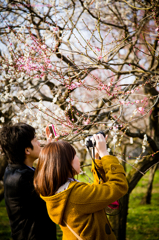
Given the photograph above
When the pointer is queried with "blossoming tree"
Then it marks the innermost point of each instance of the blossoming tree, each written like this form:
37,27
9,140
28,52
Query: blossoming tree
84,66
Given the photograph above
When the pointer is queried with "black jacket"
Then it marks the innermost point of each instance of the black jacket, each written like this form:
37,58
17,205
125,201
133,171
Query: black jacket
26,210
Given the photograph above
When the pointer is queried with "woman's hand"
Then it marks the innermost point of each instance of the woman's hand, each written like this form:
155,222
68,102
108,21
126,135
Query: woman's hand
101,148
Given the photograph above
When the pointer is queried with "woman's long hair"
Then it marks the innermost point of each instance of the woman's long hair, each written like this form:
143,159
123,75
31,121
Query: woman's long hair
54,167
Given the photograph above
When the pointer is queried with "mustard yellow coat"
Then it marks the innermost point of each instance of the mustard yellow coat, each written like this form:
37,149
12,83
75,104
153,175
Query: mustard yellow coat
82,205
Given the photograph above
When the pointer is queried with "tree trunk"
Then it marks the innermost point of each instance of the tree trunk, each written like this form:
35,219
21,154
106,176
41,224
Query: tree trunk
114,221
147,198
118,222
123,217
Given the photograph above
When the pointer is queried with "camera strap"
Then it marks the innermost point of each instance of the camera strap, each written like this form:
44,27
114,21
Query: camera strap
95,165
101,178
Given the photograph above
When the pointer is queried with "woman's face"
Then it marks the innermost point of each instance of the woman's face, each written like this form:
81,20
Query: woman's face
76,164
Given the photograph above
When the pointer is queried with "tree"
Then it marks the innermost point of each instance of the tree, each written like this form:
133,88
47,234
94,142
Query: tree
84,66
147,198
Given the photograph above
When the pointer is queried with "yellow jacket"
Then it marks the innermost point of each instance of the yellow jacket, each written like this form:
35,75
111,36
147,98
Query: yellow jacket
82,205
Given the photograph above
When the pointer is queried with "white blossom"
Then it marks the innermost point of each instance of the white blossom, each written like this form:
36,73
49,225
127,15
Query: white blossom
2,119
135,112
143,148
108,150
131,140
145,140
54,99
137,160
82,142
115,139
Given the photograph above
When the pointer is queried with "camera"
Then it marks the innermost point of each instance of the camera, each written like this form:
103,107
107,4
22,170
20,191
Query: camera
52,130
88,140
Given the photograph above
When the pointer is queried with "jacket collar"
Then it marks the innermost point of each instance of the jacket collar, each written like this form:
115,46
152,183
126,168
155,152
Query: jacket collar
20,166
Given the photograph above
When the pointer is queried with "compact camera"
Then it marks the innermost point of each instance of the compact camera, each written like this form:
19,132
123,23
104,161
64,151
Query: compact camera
52,130
88,140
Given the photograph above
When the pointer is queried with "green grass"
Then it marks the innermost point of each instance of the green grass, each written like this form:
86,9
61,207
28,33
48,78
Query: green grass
4,223
143,220
59,233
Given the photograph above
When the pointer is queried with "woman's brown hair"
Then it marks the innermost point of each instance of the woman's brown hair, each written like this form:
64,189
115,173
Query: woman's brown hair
54,167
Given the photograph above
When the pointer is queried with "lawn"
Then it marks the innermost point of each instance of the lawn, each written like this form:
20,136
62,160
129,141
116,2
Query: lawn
143,220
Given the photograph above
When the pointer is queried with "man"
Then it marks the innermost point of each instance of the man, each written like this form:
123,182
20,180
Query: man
26,210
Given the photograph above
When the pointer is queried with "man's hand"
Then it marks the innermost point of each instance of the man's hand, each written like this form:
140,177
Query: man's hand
49,135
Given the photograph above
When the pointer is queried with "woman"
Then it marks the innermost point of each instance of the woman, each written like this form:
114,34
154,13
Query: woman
78,207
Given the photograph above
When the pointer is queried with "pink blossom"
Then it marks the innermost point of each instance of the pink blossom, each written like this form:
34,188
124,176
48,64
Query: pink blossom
141,109
86,122
99,57
43,46
77,84
137,101
74,85
98,49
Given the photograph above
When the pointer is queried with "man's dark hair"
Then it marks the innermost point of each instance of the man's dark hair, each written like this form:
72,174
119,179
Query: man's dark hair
14,139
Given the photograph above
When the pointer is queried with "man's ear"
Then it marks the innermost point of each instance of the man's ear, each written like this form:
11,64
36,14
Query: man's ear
27,152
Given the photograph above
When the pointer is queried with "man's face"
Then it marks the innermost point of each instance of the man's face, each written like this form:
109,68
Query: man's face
34,153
